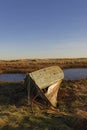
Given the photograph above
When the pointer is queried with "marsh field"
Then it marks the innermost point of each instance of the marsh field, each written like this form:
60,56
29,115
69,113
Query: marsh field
71,112
29,65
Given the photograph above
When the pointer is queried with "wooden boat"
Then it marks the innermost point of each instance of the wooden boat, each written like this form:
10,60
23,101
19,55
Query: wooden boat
43,85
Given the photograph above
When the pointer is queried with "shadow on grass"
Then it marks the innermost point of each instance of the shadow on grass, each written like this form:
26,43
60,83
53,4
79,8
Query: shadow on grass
13,93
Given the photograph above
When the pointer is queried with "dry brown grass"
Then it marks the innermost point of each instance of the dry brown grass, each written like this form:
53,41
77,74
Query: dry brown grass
72,99
29,65
71,115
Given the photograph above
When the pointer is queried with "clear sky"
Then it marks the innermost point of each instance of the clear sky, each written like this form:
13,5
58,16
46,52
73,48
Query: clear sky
43,29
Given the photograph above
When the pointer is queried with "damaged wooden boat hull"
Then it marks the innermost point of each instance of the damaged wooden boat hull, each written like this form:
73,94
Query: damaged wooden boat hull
52,93
43,85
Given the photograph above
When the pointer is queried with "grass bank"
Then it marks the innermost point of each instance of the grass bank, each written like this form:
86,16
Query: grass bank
15,114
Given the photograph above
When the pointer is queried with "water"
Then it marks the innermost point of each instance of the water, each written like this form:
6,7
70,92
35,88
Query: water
69,74
75,73
12,77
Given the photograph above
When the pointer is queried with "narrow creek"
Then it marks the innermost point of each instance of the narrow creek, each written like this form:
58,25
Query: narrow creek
69,74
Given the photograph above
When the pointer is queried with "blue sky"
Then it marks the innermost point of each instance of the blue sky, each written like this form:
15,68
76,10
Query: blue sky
43,29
